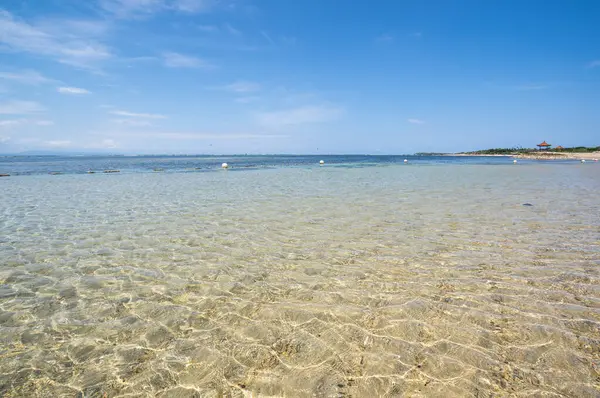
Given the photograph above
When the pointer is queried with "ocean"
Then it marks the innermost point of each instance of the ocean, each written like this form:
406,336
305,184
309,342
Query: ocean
364,277
33,165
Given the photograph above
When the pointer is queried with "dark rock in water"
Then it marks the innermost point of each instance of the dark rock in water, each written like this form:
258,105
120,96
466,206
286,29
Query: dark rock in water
67,293
527,204
7,291
55,173
30,337
92,282
112,171
159,169
4,175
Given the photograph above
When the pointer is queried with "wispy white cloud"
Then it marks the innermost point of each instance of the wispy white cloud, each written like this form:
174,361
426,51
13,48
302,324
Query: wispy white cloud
132,8
300,115
267,37
57,143
132,122
72,90
85,56
594,64
4,139
289,40
191,136
247,99
176,60
417,35
139,115
138,59
208,28
416,121
19,122
384,38
73,28
232,30
241,86
26,77
103,144
16,107
193,6
144,8
44,122
10,123
69,42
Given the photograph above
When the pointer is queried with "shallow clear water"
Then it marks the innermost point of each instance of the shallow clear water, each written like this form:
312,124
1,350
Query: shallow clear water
424,279
38,165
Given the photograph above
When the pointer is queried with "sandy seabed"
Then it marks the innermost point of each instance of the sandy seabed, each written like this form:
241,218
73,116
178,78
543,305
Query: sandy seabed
399,281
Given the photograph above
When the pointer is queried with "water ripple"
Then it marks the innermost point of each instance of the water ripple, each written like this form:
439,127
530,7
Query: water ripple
338,282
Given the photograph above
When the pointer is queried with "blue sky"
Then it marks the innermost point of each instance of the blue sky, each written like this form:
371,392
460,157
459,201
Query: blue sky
310,76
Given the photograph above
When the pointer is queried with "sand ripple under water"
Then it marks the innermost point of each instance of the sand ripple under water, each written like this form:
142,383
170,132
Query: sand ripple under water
429,281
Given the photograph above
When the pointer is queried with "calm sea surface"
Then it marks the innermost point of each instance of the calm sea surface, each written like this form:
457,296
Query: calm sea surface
365,277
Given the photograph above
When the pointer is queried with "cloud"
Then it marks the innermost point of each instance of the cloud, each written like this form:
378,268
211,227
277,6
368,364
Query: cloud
384,38
416,121
594,64
267,37
104,144
57,143
19,122
72,90
193,6
208,28
16,107
201,136
66,41
176,60
4,139
84,55
132,122
132,8
44,122
289,40
145,8
26,77
418,35
300,115
232,30
10,123
246,100
241,86
139,115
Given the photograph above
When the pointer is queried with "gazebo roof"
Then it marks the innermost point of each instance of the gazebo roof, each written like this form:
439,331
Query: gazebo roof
544,144
559,147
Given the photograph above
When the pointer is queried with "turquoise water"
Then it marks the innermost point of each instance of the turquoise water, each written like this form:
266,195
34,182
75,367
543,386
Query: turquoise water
32,165
365,277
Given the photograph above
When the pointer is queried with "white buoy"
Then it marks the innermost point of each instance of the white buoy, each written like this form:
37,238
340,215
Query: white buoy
321,162
405,160
582,160
224,165
515,161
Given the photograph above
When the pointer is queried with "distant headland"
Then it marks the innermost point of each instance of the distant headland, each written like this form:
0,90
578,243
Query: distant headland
543,151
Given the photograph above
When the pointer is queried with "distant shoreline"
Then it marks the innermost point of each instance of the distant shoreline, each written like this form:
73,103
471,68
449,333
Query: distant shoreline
541,155
547,155
478,155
